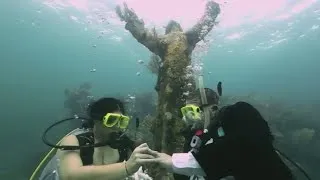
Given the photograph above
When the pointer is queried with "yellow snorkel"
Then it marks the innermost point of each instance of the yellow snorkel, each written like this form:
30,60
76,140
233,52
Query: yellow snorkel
206,110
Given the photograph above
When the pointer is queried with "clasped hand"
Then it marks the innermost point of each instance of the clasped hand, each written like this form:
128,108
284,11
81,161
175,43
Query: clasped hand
143,155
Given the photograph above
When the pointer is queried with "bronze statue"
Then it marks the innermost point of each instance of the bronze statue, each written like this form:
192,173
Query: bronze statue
174,48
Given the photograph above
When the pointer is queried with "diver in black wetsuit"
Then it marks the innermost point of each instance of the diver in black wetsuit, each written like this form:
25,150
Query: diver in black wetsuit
239,144
193,126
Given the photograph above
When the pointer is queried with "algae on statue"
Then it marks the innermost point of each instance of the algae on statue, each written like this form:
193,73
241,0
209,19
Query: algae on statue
174,49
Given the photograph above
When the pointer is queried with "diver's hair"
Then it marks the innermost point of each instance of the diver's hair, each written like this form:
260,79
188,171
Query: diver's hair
171,25
98,109
242,121
211,95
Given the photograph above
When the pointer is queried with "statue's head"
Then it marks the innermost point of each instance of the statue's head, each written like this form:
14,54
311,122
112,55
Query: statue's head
173,26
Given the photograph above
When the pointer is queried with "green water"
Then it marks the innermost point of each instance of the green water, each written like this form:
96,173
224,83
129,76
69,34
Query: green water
37,62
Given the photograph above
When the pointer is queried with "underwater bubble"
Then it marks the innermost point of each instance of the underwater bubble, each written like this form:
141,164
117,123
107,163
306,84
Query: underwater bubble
74,18
197,68
140,61
189,75
186,93
116,38
93,70
288,30
94,45
279,41
138,73
314,27
132,97
90,97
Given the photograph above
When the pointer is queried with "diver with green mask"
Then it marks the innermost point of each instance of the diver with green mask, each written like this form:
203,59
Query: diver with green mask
237,144
194,115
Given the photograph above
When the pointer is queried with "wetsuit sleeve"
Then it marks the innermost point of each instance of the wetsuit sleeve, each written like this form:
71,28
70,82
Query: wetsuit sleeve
186,164
214,159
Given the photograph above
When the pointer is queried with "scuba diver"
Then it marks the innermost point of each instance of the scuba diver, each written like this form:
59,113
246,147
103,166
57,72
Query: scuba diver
193,117
239,144
108,161
192,113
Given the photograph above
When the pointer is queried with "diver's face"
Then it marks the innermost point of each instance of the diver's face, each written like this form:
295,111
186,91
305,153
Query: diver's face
104,131
194,123
213,109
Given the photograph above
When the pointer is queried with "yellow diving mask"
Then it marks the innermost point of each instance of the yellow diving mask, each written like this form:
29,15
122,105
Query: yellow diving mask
112,119
191,111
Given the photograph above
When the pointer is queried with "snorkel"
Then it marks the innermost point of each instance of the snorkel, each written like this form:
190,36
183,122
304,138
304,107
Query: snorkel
206,110
197,113
118,139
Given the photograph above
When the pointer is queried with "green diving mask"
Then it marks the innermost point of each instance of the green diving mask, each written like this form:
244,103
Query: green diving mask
113,119
191,111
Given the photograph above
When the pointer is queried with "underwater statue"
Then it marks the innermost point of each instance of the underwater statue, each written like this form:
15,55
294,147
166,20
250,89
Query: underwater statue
175,49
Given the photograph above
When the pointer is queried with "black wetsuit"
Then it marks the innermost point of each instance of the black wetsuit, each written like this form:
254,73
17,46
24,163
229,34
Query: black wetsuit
240,145
86,154
242,160
187,133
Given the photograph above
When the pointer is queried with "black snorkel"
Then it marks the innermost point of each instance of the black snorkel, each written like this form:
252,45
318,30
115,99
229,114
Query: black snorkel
118,139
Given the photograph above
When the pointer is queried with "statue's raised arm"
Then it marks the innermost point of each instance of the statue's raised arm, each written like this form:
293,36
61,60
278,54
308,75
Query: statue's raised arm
136,27
205,25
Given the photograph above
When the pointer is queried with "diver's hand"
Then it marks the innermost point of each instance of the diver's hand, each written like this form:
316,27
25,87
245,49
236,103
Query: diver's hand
139,157
212,9
140,175
162,159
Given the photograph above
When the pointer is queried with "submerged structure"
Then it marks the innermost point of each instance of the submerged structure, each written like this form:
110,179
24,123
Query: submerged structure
174,49
77,100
